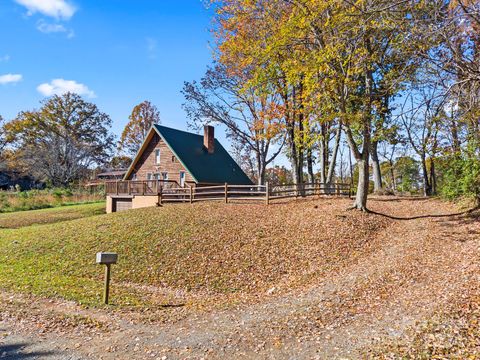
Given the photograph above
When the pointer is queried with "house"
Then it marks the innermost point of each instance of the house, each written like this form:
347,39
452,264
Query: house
175,158
173,155
112,174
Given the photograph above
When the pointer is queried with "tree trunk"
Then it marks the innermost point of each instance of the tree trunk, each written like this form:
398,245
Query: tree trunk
261,171
433,178
311,176
331,168
455,140
377,172
392,174
323,154
363,183
427,189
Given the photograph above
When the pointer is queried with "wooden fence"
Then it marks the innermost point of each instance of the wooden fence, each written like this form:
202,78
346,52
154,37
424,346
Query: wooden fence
171,191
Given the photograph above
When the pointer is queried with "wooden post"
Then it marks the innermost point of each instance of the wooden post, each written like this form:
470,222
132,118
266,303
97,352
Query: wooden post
160,196
267,193
106,290
144,188
191,195
129,187
338,188
226,193
116,187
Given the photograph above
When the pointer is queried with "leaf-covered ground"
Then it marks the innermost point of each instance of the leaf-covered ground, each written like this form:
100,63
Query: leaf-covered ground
208,248
303,280
453,330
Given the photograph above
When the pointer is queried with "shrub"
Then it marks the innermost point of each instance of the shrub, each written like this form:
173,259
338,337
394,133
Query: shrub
39,199
462,177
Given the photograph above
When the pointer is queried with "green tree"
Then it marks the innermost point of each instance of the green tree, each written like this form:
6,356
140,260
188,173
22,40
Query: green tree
407,174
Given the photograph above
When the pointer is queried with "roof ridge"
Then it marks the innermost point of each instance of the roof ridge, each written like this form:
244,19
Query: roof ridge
170,128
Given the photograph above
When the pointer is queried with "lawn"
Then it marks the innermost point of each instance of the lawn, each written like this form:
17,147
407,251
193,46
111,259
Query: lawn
51,215
202,250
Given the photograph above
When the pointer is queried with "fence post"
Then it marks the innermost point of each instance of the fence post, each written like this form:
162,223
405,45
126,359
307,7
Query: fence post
129,187
226,193
267,193
160,189
191,195
338,188
116,187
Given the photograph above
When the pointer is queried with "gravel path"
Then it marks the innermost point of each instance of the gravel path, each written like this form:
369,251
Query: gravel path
17,347
418,264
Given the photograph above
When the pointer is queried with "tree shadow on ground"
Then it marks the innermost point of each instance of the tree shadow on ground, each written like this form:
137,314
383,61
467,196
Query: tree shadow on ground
462,228
17,351
398,199
467,214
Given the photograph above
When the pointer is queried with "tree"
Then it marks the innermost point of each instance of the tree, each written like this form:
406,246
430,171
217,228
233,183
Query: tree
422,114
120,162
143,116
408,178
252,118
59,142
3,140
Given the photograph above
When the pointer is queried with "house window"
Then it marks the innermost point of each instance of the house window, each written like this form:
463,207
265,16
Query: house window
164,175
149,176
157,156
173,158
156,176
134,177
182,178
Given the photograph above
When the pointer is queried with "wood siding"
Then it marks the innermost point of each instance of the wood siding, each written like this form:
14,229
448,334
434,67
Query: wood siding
169,163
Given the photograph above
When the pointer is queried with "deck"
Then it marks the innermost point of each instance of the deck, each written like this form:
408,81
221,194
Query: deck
171,191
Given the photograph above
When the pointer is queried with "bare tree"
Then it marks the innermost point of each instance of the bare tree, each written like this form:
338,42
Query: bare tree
421,116
252,120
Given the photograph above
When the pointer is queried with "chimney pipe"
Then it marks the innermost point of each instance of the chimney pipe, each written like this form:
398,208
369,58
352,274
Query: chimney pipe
209,138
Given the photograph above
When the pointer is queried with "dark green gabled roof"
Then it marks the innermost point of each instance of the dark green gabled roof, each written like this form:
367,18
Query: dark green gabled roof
218,167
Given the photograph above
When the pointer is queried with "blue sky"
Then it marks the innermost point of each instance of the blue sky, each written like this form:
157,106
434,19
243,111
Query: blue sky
116,53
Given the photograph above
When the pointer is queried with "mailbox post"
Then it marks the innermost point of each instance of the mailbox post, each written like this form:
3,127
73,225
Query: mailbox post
107,259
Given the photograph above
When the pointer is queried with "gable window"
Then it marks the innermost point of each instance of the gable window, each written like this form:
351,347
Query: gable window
156,176
182,178
164,175
173,158
134,177
157,156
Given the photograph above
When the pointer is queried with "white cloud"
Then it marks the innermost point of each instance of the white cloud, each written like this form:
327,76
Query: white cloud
54,28
59,9
61,86
4,58
10,78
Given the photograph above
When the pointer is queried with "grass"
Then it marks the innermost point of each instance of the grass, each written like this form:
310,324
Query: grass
209,249
42,199
51,215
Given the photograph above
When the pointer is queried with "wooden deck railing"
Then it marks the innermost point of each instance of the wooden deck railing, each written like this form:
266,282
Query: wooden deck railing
171,191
